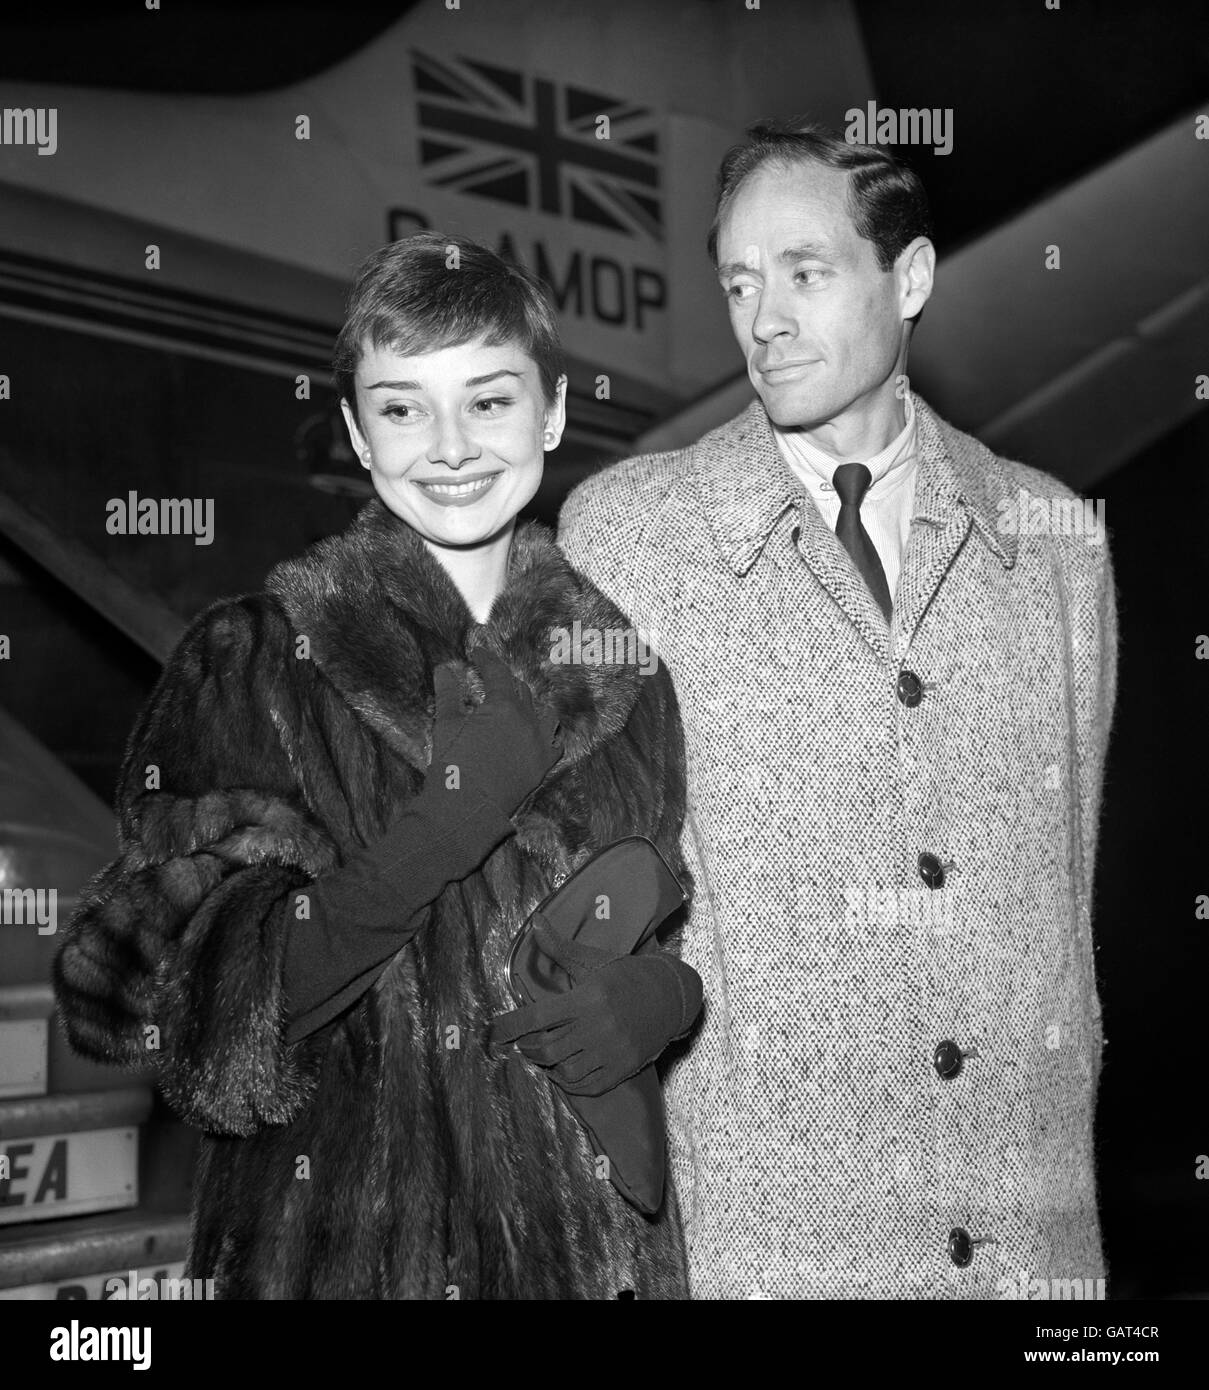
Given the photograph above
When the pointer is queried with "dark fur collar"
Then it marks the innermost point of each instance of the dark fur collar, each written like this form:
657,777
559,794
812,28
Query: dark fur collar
381,612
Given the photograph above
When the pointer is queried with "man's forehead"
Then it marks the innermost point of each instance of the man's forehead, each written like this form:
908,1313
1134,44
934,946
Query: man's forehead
779,209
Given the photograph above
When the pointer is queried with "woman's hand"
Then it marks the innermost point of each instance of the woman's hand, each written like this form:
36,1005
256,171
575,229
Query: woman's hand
618,1017
498,750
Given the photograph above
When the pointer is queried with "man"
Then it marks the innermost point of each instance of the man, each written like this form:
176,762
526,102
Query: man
896,703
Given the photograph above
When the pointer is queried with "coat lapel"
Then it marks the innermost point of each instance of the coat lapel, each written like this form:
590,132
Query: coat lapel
745,487
833,567
380,613
939,525
958,486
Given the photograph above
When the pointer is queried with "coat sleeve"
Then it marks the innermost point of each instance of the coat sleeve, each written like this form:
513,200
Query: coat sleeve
671,816
655,728
594,514
174,956
1093,635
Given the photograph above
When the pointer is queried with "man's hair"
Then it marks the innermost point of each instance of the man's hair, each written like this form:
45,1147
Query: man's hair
886,199
407,297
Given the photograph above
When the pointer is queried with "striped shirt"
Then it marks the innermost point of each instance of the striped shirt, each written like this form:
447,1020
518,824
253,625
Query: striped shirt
886,509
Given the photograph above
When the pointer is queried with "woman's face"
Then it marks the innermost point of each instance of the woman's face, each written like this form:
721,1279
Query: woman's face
454,439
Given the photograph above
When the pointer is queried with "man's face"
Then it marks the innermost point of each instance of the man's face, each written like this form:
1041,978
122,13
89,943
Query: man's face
819,323
455,438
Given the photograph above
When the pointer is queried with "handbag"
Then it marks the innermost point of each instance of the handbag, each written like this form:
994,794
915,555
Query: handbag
638,891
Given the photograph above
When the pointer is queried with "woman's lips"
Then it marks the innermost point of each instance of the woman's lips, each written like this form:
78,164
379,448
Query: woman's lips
456,492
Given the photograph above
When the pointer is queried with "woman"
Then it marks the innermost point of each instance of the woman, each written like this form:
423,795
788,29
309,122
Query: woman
345,797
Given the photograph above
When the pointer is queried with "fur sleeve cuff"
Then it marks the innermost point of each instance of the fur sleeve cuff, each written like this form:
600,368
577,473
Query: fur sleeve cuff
220,1008
174,958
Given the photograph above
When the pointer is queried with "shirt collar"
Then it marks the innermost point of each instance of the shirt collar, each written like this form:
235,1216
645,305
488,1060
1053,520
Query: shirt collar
895,456
745,485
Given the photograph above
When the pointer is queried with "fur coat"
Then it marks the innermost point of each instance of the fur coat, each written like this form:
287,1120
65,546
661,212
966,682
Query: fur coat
394,1154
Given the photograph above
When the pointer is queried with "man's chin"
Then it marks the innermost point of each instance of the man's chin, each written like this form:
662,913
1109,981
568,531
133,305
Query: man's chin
789,409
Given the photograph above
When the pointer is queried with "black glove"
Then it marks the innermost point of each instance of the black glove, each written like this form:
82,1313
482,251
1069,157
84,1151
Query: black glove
367,910
618,1017
501,748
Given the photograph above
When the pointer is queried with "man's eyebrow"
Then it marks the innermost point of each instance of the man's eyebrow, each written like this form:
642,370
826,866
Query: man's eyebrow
806,251
418,386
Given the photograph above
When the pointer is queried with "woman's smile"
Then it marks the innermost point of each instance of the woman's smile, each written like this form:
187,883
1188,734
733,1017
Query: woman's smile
457,492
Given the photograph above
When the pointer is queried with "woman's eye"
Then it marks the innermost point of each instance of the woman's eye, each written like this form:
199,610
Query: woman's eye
487,407
397,412
812,270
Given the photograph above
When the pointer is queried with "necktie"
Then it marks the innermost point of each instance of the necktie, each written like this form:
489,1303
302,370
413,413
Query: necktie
851,482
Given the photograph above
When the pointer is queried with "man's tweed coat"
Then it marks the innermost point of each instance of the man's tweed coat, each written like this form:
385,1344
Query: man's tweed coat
818,1151
434,1162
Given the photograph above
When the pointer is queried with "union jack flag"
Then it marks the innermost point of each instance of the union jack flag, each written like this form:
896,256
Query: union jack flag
496,133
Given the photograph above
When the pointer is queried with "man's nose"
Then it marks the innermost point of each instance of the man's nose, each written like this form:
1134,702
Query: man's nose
772,320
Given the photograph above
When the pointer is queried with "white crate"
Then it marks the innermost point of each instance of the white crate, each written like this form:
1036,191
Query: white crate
153,1281
68,1174
24,1039
23,1051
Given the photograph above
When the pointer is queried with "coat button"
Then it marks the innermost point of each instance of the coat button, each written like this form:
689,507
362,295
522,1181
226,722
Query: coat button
961,1247
910,688
947,1059
931,870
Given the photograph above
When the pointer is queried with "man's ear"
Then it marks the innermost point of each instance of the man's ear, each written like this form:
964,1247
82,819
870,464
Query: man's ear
915,269
556,416
360,446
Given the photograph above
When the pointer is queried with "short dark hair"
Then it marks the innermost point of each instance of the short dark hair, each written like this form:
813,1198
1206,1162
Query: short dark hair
406,296
885,196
